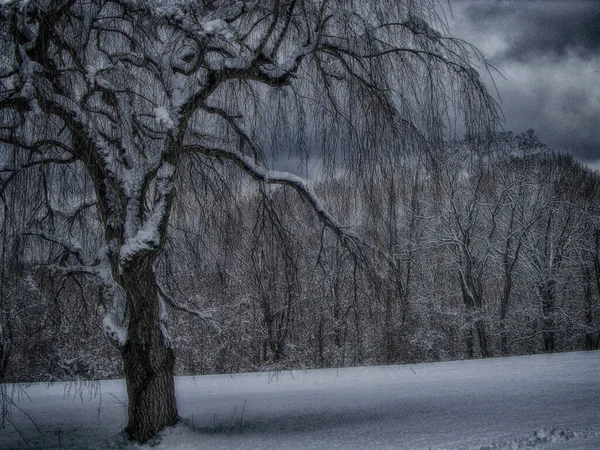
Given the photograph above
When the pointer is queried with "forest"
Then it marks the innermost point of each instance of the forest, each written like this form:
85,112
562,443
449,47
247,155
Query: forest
221,187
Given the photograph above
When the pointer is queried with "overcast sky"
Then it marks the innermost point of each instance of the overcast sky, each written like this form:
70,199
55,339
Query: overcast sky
549,52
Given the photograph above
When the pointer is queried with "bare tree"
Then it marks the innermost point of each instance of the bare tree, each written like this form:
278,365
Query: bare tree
553,239
125,92
515,207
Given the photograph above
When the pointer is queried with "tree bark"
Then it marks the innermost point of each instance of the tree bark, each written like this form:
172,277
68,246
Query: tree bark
148,359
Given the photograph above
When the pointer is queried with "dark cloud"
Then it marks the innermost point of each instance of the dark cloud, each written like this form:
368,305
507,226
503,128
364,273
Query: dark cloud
549,53
535,29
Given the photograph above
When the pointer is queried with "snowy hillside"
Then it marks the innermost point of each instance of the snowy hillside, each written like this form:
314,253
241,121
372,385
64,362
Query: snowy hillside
544,401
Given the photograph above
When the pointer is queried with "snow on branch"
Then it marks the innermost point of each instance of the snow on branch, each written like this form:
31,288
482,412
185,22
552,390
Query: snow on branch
220,27
114,323
163,117
205,317
179,17
260,173
147,237
162,321
95,271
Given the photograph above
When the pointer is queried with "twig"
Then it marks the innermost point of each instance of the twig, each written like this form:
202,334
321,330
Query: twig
119,401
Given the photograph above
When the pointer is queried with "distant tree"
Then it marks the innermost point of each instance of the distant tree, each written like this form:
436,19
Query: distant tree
516,205
391,198
111,100
550,246
464,232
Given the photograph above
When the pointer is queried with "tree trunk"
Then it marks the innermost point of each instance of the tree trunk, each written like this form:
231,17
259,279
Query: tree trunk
148,360
503,335
469,331
474,321
589,314
504,302
388,334
548,302
483,346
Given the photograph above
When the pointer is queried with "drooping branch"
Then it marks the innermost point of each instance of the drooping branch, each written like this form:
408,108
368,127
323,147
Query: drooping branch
207,318
8,173
71,246
260,173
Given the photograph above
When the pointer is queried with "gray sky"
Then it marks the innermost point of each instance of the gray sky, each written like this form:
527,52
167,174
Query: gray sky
549,52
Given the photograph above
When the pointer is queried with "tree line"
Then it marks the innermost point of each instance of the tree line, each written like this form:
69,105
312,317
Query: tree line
487,252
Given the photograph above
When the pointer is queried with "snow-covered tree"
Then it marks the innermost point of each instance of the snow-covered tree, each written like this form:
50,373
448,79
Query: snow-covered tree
121,95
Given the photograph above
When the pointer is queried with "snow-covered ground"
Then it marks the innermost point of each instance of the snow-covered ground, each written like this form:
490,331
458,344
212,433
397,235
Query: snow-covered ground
543,401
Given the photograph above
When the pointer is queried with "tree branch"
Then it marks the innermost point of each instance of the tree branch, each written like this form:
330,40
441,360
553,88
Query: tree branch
349,238
205,317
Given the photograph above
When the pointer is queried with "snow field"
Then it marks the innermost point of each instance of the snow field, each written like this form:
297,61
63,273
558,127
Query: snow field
543,401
